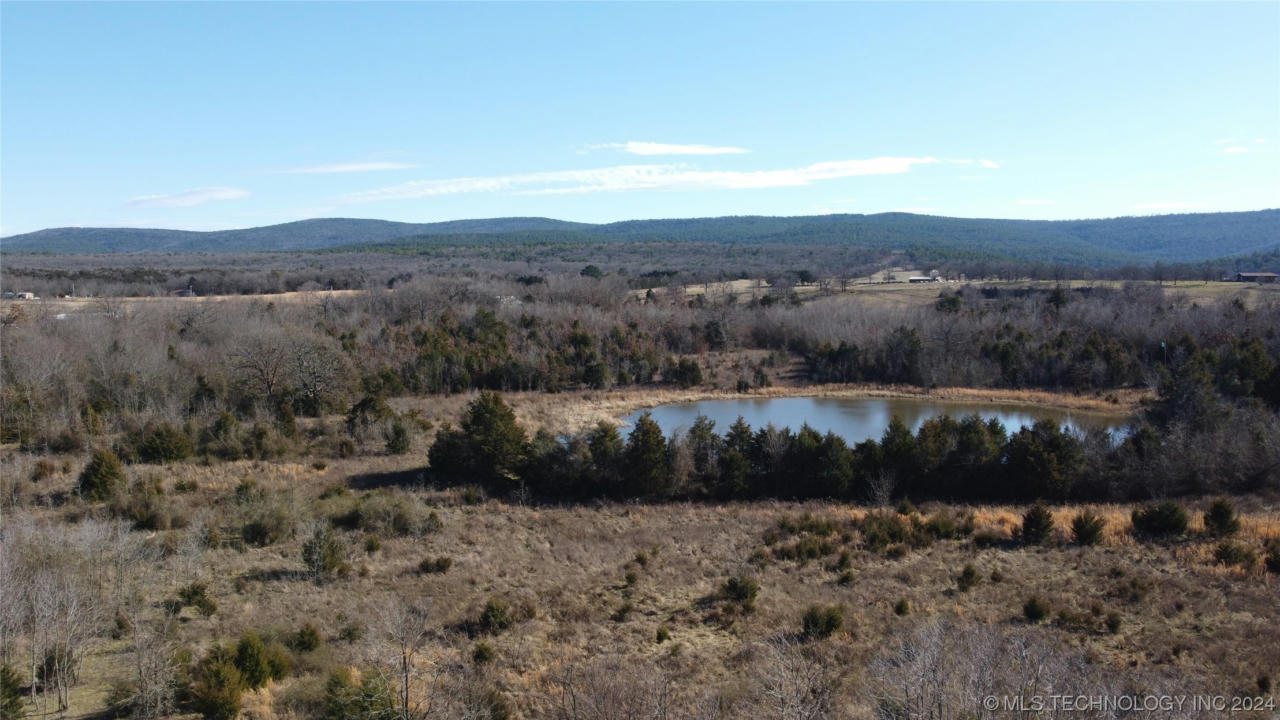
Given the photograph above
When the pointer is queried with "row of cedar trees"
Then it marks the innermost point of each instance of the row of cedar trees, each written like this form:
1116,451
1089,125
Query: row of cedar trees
947,459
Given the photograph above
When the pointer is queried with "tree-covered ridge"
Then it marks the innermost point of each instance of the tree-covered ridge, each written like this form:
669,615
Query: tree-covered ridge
1096,243
1108,242
313,234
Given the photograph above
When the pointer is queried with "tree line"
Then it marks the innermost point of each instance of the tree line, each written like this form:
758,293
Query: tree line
947,459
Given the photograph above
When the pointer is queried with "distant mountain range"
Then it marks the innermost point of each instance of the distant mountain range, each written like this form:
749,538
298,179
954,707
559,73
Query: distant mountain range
1109,242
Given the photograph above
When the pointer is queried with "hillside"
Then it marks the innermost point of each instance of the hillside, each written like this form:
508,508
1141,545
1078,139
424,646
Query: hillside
1107,242
301,235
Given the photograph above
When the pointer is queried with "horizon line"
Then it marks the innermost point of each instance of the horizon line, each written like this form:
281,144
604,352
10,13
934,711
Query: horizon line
635,219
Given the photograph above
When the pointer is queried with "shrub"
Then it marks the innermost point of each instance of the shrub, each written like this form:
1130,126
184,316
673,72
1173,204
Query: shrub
323,554
1037,523
1086,528
1163,520
397,438
662,635
42,470
217,687
103,477
1230,554
1273,556
623,612
196,595
822,622
384,513
251,661
372,544
162,443
880,530
308,638
1220,520
435,566
902,607
805,549
1035,609
845,561
345,699
10,694
495,617
351,632
269,526
947,524
968,578
483,653
247,492
1113,622
279,662
741,590
988,539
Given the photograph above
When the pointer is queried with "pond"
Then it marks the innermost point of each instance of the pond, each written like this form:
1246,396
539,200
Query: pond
858,419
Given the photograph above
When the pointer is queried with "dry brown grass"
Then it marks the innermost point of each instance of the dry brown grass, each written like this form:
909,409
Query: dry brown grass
1183,615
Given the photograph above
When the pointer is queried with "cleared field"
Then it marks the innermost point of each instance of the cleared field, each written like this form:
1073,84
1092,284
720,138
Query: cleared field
69,305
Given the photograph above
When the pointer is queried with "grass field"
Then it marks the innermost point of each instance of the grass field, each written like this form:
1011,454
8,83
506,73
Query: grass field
872,291
597,585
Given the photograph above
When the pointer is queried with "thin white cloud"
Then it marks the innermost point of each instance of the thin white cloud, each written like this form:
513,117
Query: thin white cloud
1259,140
188,198
991,164
652,148
1236,149
1035,201
1167,206
356,167
916,210
640,177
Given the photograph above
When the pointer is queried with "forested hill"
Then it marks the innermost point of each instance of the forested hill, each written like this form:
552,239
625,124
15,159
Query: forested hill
315,234
1109,242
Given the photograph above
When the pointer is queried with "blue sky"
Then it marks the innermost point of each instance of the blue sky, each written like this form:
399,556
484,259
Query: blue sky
210,116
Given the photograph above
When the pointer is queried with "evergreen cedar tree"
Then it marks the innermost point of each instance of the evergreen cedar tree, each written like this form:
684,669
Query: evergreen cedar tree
969,459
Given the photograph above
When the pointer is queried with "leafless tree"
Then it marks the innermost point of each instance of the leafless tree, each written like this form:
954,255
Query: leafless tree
402,626
263,363
612,690
793,684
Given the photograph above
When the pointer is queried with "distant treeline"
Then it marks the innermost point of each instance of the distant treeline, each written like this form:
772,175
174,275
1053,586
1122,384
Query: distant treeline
1094,243
638,264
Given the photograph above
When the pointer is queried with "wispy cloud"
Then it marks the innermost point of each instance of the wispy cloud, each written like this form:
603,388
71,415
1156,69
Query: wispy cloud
991,164
355,167
1035,201
652,148
188,198
1167,206
1236,149
641,177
